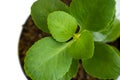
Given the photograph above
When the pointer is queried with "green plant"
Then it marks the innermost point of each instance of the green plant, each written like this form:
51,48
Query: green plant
57,57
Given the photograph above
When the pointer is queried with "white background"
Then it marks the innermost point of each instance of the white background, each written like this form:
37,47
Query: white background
13,14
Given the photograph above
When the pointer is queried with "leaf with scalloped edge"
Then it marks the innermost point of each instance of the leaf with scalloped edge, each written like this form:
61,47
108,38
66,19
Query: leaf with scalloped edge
62,25
47,60
105,64
82,46
40,10
93,15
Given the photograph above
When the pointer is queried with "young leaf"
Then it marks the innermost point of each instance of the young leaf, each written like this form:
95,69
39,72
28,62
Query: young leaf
40,10
105,64
90,15
83,46
62,26
109,34
47,60
72,71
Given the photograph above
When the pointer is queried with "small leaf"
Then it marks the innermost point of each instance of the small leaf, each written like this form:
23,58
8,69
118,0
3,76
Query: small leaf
105,64
62,26
110,34
93,15
47,60
40,10
72,71
83,46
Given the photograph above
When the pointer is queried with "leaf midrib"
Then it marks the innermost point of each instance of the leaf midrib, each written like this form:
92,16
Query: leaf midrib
58,52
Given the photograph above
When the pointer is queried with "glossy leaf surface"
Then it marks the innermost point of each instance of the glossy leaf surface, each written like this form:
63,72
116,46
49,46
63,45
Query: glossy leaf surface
93,15
83,46
47,60
105,64
62,26
40,10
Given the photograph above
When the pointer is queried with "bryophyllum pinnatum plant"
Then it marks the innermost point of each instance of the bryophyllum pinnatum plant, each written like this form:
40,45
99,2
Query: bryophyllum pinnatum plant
57,57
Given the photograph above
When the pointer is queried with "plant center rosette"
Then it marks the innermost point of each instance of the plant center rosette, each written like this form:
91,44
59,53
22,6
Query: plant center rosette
57,57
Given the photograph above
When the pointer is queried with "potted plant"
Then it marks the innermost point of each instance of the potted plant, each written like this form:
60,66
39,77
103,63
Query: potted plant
79,33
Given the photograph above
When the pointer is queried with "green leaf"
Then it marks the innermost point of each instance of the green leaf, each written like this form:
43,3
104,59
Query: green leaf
47,60
40,10
109,34
105,64
62,26
117,51
83,46
93,15
114,32
72,71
